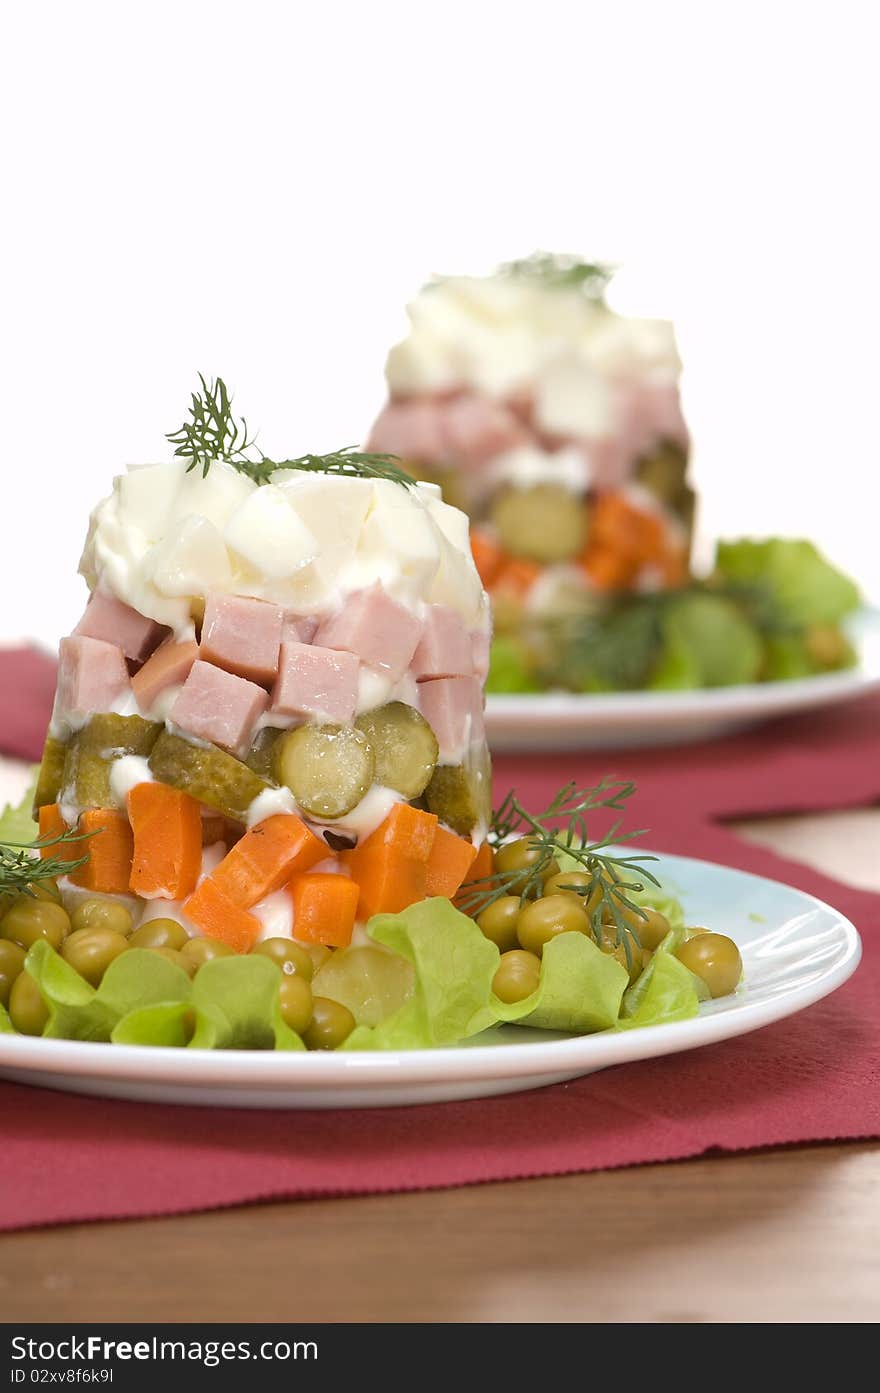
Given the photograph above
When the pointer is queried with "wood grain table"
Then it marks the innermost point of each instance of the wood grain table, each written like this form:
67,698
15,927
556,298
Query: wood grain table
787,1235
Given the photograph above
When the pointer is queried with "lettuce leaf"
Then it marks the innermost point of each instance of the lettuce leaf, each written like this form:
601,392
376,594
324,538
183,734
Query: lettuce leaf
707,642
78,1011
580,990
665,991
16,823
509,669
804,587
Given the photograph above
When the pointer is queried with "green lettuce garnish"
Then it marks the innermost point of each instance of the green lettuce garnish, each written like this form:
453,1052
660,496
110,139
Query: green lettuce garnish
804,587
707,642
665,991
580,991
78,1011
509,669
16,823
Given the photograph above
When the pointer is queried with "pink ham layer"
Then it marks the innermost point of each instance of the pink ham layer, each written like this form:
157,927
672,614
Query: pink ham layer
468,430
243,636
112,621
312,667
92,676
216,705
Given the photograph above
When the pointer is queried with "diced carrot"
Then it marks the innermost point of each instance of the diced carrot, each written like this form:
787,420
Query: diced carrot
52,824
108,869
607,569
515,578
388,881
488,556
266,857
167,827
483,866
217,917
409,831
324,908
449,863
617,525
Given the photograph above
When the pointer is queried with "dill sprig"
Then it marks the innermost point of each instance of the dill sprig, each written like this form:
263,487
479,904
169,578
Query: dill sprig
20,868
562,271
562,826
212,434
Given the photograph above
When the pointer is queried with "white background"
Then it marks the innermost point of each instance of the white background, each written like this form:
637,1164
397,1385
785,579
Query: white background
256,189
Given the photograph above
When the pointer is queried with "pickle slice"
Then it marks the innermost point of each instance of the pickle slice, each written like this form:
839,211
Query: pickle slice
328,768
404,744
461,794
663,472
50,779
90,754
206,773
546,523
110,735
261,755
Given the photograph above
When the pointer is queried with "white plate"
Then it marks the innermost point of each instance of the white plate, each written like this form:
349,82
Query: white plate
795,951
566,721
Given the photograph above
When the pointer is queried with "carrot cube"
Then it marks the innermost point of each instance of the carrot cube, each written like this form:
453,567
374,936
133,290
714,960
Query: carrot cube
110,850
515,578
410,831
167,827
449,863
52,824
217,917
482,866
324,908
488,556
266,857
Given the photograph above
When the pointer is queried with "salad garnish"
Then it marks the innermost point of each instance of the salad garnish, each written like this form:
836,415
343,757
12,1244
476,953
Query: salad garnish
213,434
558,837
21,869
562,271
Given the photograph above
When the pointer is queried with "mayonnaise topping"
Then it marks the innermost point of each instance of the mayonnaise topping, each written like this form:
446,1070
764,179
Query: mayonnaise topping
503,336
165,539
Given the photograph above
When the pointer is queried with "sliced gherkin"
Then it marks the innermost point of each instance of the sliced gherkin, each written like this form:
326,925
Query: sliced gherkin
404,745
50,779
461,794
206,773
110,735
545,523
90,754
261,756
328,768
663,472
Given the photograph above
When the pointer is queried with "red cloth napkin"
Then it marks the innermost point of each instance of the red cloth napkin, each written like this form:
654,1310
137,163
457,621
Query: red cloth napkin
810,1078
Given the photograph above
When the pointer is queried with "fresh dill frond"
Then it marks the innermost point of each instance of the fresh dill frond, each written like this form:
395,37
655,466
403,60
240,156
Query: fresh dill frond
561,270
562,826
20,867
212,434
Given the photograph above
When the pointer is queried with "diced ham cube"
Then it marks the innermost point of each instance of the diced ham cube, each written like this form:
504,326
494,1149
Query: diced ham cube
167,667
111,620
481,643
92,675
218,706
453,707
315,681
381,632
444,650
477,429
298,628
243,636
413,430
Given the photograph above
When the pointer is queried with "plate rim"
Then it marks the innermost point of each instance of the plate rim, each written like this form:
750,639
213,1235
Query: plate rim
271,1070
741,699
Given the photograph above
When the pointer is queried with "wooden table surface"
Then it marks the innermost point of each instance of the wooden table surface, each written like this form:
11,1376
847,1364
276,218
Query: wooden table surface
788,1235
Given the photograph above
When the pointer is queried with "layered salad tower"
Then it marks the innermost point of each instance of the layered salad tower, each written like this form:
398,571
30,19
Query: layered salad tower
264,802
555,423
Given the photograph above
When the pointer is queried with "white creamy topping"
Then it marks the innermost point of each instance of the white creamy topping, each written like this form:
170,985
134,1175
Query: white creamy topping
270,802
125,774
528,465
373,809
275,913
165,539
503,336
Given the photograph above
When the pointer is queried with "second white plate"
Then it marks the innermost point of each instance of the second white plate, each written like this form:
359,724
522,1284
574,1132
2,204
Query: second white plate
566,721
